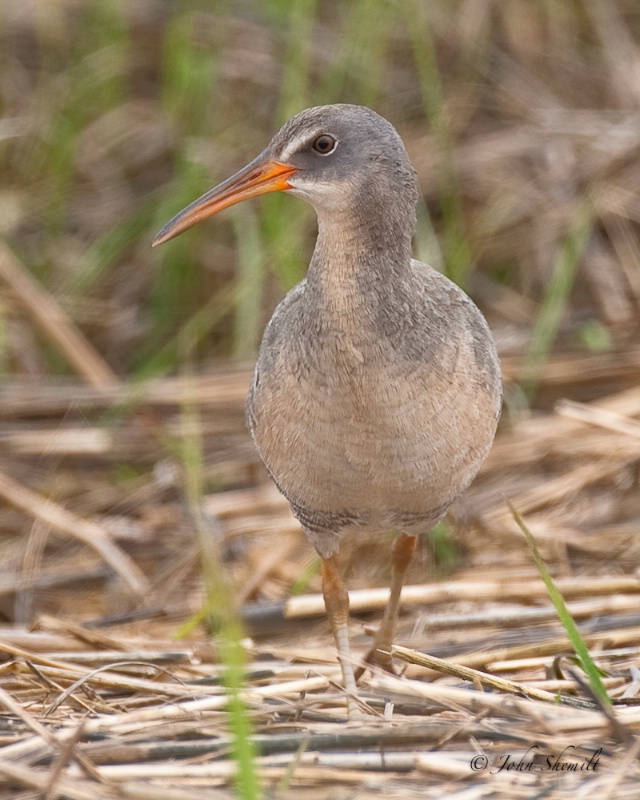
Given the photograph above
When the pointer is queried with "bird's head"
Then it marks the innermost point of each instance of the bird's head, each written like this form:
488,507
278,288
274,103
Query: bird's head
339,158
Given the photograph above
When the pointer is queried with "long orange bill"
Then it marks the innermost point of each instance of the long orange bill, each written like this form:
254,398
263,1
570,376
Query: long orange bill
262,175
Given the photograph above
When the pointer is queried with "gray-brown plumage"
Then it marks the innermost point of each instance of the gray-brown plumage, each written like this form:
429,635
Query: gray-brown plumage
377,390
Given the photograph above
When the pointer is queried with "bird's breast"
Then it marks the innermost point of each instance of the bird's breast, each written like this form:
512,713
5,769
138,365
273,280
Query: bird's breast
343,423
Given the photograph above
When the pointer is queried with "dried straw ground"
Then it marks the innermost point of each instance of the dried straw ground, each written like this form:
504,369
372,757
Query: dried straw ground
100,560
117,707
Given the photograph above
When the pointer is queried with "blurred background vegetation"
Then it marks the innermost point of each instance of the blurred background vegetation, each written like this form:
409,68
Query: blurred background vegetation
522,119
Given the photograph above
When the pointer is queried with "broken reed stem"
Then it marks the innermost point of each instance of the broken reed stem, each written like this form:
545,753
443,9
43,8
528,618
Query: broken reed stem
448,591
476,676
69,524
55,323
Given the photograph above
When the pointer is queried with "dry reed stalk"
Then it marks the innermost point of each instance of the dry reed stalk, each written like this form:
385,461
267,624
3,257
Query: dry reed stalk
568,372
541,113
549,647
69,524
55,323
474,676
130,790
558,719
600,417
61,636
58,441
40,779
537,436
448,591
224,389
15,708
518,616
108,679
621,770
223,771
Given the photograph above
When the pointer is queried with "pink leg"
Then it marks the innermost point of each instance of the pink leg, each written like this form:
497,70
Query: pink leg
403,549
336,601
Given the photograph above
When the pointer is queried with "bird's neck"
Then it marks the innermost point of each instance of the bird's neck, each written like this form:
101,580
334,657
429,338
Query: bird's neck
360,264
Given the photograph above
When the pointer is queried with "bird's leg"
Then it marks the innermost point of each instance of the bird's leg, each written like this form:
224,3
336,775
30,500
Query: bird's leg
336,601
403,549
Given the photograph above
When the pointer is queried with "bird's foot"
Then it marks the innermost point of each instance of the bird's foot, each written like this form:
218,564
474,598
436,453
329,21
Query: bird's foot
357,713
376,657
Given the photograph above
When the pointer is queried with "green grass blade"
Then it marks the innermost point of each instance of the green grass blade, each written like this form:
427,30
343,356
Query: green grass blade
456,251
357,72
294,91
250,281
221,606
557,294
586,662
152,363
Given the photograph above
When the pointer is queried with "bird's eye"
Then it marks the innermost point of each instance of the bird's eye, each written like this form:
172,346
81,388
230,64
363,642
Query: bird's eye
324,144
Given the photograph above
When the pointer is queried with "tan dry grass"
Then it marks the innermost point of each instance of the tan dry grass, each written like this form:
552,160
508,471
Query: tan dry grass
99,700
123,711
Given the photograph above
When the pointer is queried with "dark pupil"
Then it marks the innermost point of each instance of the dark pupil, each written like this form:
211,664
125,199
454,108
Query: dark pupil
324,144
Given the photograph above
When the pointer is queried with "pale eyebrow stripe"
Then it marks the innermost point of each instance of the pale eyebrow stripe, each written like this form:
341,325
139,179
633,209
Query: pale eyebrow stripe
294,145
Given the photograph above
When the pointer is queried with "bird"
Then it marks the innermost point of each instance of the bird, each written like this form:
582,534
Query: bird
377,389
